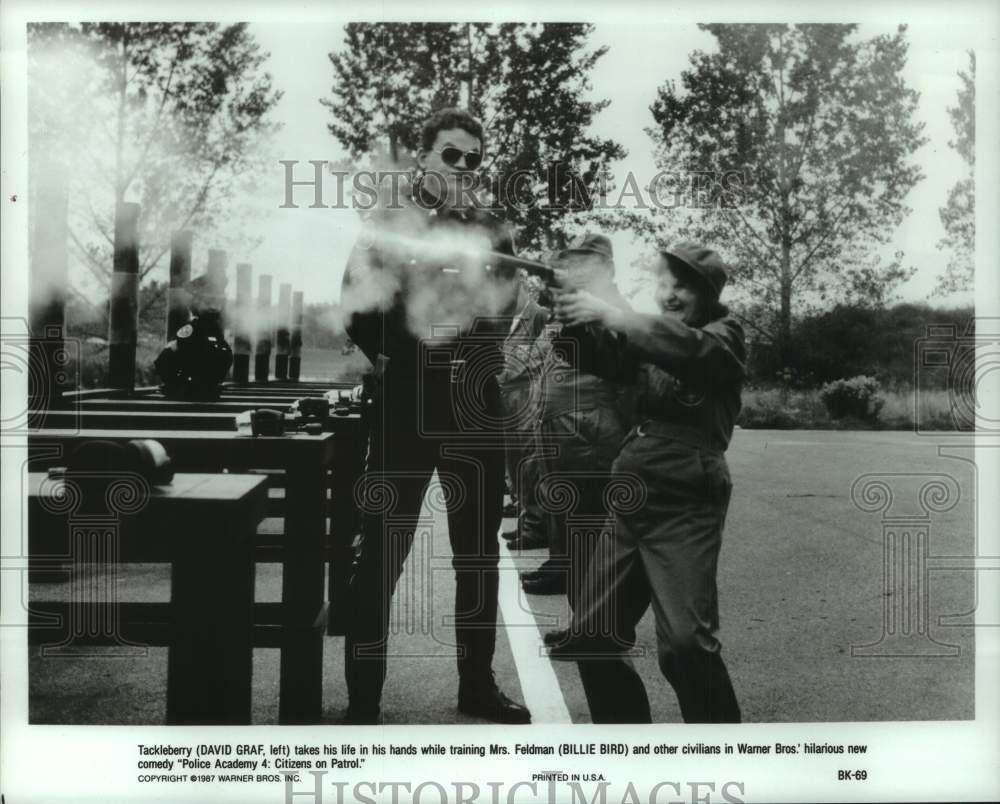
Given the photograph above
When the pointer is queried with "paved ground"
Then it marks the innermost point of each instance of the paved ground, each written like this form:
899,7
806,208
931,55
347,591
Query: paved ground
802,582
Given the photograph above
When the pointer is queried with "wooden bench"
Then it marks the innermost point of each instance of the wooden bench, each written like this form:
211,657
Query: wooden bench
149,405
348,464
203,525
294,390
306,461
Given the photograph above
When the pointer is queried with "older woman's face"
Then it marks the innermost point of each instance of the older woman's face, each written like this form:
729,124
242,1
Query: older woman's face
584,270
679,297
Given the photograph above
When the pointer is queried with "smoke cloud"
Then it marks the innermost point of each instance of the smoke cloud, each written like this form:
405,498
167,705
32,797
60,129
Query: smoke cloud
445,276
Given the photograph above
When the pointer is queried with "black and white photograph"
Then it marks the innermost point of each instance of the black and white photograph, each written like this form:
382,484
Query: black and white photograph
541,403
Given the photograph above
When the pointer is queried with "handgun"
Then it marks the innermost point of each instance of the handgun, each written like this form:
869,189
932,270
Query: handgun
542,270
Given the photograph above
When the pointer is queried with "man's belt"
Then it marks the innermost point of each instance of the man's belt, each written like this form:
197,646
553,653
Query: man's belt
691,436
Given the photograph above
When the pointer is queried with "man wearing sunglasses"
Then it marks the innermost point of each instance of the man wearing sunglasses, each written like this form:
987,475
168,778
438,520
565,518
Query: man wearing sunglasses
428,263
448,164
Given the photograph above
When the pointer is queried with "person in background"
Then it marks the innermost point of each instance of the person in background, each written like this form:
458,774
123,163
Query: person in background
581,426
194,363
665,550
519,390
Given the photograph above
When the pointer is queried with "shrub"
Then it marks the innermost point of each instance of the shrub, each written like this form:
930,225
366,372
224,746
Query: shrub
781,409
860,397
766,410
850,340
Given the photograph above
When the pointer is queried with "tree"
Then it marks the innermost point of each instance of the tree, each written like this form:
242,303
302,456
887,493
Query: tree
959,215
792,145
385,80
848,340
169,115
525,81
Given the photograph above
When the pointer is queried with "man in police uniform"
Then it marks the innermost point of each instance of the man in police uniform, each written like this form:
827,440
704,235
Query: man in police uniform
195,362
422,264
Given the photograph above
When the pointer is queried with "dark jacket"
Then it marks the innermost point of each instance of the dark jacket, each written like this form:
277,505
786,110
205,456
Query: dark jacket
519,363
687,377
195,363
404,277
582,366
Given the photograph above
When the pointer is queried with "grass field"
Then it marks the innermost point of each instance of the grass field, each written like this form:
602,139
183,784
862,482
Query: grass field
774,408
330,364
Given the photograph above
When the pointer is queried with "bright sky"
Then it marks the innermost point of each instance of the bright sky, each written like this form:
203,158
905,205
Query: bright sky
309,247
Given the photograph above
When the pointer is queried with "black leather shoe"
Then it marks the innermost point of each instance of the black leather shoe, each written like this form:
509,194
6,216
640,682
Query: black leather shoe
490,704
547,584
509,534
510,510
556,637
523,543
547,567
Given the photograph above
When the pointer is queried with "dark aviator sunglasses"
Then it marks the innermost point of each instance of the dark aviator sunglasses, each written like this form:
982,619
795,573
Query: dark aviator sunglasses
451,155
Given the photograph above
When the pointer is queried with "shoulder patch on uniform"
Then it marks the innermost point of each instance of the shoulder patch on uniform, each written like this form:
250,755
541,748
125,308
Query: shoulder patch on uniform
185,331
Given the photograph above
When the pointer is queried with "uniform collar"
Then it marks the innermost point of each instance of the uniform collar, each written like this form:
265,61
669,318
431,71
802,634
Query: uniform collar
434,209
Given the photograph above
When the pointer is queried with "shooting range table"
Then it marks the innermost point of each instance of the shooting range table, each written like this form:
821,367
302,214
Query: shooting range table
350,446
151,415
297,624
203,525
164,416
293,389
228,405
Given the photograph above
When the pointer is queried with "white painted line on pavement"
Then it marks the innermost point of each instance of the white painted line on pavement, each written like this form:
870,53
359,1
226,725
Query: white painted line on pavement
542,693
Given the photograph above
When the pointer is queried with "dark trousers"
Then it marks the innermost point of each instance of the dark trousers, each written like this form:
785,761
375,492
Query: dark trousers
407,442
579,447
522,461
661,547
